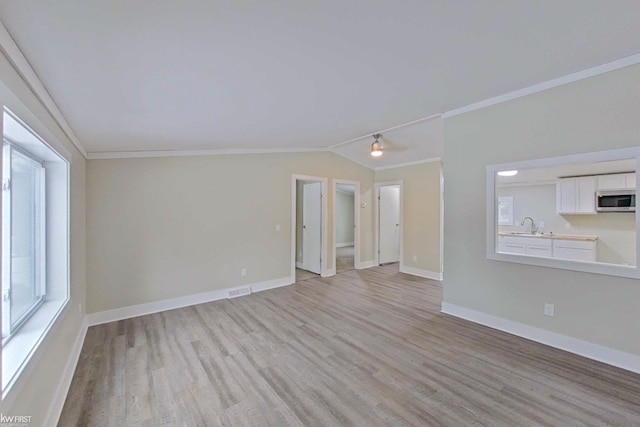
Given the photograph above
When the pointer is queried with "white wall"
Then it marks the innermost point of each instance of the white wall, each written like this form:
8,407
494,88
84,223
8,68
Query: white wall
161,228
590,115
616,231
344,219
35,391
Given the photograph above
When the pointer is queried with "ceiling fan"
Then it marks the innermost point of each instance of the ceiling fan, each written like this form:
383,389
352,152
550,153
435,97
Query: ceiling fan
380,145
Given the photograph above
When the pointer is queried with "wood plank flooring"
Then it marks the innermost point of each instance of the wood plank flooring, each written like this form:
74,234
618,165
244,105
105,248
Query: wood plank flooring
345,259
365,347
302,275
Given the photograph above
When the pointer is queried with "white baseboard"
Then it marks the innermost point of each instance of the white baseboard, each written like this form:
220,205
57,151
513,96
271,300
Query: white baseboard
433,275
344,245
55,409
330,272
366,264
271,284
173,303
610,356
298,264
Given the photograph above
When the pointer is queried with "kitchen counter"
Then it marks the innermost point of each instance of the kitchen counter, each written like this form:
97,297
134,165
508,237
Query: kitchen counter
551,236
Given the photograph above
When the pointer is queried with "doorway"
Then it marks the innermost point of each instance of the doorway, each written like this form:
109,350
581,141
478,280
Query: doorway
388,228
308,219
346,224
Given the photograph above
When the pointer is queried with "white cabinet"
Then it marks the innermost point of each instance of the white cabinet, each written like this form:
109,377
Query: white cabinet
525,246
586,189
611,182
566,195
630,181
514,248
575,250
549,247
617,181
539,250
576,195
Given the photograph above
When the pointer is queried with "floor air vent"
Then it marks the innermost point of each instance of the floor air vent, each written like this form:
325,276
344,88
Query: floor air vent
238,292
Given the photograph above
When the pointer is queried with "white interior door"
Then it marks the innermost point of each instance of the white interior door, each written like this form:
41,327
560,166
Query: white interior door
389,223
312,226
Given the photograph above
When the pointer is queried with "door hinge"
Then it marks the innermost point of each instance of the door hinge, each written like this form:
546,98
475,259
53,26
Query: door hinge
6,295
320,260
6,185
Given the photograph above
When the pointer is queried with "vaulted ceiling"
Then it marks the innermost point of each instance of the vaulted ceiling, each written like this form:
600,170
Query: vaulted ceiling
194,74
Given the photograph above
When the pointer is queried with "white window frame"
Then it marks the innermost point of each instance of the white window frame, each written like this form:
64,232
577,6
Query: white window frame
9,329
25,342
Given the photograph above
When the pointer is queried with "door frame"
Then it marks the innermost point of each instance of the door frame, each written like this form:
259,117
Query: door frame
356,221
323,227
376,221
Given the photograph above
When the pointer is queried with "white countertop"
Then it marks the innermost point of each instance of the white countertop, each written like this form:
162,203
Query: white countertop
550,236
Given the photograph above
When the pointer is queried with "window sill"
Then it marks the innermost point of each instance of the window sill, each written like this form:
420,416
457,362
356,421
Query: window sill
22,346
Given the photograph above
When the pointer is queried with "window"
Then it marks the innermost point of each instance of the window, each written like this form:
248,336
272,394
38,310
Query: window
23,237
35,243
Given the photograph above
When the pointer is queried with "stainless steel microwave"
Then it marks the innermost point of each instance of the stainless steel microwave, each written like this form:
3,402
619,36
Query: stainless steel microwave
616,201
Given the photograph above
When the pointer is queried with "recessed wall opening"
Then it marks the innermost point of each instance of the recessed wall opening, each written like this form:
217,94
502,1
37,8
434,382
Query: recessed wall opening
388,222
574,212
309,222
346,225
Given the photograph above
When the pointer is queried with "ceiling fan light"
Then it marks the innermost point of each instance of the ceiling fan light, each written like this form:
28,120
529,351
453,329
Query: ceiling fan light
376,147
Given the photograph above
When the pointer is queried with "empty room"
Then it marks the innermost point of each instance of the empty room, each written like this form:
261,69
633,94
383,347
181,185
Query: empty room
320,213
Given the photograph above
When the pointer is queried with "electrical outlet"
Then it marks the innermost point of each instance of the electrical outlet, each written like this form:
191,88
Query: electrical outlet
277,227
415,258
567,225
549,309
541,224
243,272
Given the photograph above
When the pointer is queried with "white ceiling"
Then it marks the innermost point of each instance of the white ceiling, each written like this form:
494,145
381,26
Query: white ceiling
198,75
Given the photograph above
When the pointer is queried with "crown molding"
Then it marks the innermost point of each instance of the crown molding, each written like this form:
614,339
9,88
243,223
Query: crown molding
184,153
416,162
550,84
23,68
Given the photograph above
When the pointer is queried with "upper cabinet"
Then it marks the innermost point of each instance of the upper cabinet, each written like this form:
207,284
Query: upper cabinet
576,195
617,182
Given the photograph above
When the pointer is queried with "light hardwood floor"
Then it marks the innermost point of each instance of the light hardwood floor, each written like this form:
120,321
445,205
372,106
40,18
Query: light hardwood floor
302,275
344,259
365,347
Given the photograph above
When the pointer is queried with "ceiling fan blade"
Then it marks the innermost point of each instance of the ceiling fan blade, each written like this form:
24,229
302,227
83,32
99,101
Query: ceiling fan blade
388,145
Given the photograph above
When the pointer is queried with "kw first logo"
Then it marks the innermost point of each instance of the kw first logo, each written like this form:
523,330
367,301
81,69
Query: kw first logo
15,419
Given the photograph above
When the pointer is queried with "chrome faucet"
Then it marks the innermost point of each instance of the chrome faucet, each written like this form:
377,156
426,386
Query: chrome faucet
534,227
